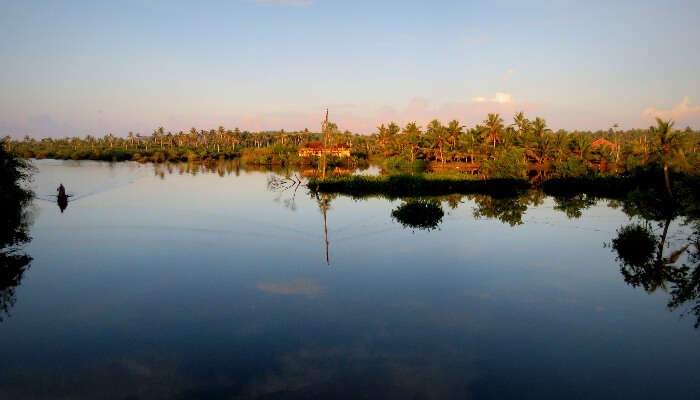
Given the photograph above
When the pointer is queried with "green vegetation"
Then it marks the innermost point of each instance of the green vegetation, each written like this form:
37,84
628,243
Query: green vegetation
14,225
492,149
652,259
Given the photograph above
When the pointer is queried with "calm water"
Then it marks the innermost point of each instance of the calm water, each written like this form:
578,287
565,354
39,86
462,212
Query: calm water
172,282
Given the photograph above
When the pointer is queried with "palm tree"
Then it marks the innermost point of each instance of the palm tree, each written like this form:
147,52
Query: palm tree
561,144
194,136
436,131
493,130
521,123
454,131
412,137
668,143
539,127
581,144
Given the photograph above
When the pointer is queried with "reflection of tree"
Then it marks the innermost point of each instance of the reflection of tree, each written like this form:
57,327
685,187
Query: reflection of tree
648,260
419,214
640,253
12,268
285,183
14,224
509,210
323,200
573,206
687,289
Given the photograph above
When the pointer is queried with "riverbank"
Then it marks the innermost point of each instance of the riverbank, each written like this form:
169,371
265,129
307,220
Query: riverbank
685,187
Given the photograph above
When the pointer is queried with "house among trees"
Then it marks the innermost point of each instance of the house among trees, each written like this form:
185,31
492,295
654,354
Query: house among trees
600,142
317,149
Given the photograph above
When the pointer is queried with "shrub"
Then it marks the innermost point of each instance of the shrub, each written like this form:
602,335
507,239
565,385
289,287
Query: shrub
571,168
508,164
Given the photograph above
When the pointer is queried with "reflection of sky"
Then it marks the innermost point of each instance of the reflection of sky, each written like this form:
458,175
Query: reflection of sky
204,284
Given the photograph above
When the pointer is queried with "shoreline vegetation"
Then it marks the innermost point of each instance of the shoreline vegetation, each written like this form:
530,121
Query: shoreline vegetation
686,188
15,220
491,157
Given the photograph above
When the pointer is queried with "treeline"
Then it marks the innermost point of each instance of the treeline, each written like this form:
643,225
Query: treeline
494,149
491,149
162,146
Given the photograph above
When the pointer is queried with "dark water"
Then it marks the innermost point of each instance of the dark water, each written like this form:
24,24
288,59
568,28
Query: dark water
179,282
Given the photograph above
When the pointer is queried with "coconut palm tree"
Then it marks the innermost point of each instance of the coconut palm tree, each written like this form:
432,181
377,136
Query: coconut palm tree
668,144
454,131
522,123
581,144
539,127
493,130
438,134
412,138
194,136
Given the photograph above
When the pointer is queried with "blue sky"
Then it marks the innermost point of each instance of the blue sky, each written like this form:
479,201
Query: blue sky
73,67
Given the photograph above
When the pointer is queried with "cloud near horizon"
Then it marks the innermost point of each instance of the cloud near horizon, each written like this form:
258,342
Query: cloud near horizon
501,98
681,113
354,117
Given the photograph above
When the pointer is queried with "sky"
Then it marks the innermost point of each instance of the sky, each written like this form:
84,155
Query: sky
72,68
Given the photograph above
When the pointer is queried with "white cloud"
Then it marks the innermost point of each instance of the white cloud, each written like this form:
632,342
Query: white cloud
507,76
682,113
501,98
291,3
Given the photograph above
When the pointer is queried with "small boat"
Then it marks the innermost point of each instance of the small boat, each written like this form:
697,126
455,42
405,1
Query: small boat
62,198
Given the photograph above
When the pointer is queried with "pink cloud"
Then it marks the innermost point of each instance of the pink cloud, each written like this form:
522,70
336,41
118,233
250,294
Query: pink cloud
500,98
683,113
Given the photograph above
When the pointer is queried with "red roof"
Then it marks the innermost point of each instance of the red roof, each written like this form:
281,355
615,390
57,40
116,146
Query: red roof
319,145
601,142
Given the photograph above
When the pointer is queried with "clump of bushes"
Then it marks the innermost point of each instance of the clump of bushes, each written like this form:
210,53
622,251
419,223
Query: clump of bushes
402,165
419,214
395,186
570,168
509,164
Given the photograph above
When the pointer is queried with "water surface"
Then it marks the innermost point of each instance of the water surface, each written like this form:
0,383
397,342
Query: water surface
175,281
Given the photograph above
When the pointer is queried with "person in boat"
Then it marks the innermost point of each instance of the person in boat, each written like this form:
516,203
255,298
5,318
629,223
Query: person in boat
62,198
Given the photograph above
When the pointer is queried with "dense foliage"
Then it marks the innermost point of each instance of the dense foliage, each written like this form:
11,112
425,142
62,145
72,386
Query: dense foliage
14,225
492,149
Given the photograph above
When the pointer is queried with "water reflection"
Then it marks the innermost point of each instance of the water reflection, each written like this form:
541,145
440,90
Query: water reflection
230,302
15,220
62,202
323,200
285,185
650,259
419,214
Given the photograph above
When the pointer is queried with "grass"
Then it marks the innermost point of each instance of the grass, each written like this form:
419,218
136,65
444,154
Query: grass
403,185
396,186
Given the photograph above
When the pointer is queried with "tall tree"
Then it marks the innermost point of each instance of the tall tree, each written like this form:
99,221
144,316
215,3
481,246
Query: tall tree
668,143
493,129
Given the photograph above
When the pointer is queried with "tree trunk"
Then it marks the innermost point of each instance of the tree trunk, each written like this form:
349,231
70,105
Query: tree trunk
663,241
668,180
